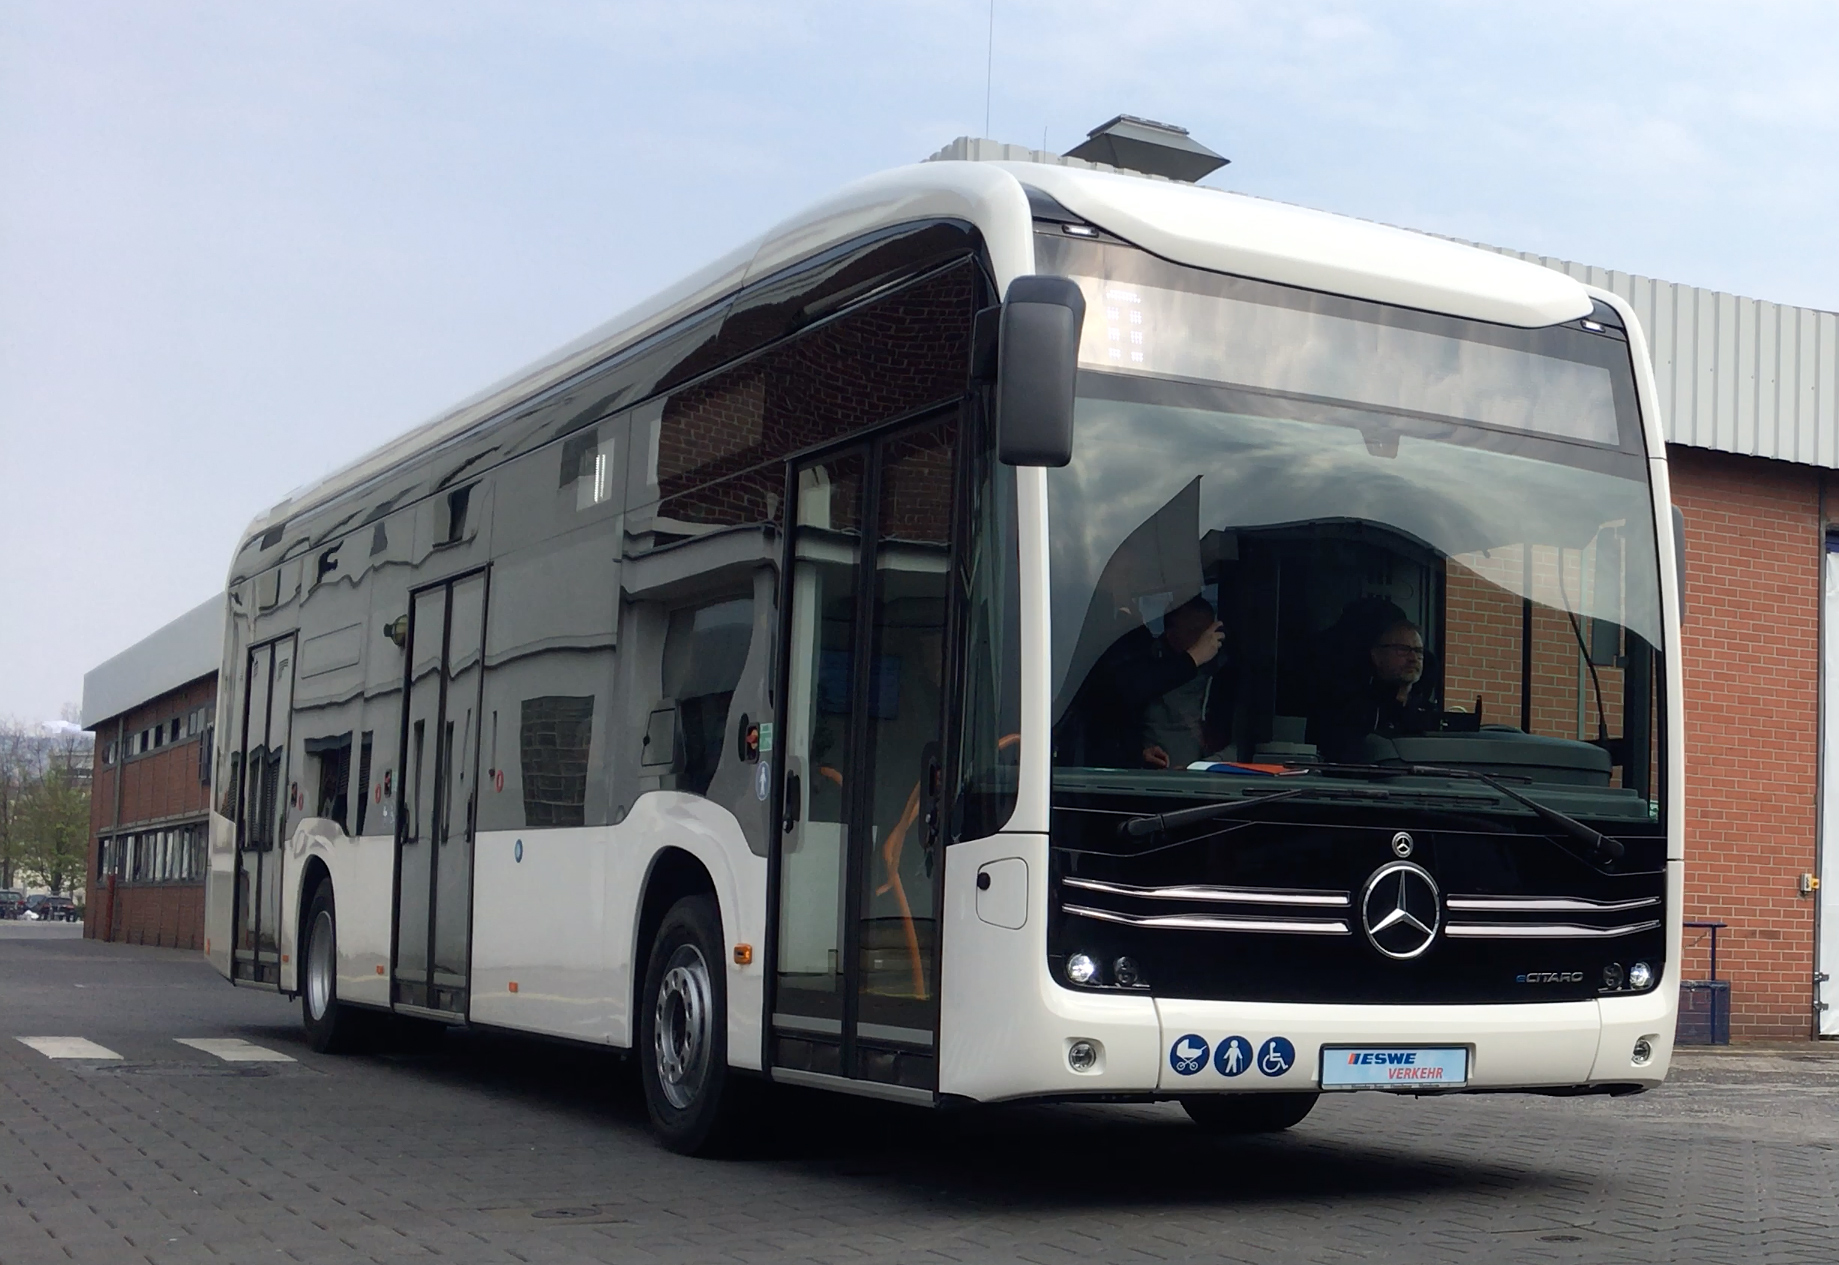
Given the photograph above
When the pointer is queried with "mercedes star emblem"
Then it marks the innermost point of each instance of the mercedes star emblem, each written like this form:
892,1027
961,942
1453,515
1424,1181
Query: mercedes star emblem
1401,910
1401,844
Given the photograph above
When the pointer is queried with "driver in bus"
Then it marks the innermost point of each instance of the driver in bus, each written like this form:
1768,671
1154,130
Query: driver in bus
1385,690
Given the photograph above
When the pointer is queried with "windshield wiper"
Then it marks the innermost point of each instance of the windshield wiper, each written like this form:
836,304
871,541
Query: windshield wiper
1598,842
1155,823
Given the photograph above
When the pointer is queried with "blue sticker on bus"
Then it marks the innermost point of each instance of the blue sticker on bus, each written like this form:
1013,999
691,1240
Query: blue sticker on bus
1188,1055
1233,1056
1276,1056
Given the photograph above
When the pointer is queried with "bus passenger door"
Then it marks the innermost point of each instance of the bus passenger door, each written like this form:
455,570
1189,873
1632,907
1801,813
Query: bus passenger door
262,811
862,718
438,797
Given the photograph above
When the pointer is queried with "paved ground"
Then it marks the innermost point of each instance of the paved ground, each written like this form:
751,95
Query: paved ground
491,1150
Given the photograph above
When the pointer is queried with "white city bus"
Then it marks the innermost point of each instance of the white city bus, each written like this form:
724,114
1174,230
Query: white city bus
1012,631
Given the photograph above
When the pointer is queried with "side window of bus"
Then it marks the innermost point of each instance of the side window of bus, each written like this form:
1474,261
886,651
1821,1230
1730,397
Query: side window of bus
331,777
705,651
551,635
709,456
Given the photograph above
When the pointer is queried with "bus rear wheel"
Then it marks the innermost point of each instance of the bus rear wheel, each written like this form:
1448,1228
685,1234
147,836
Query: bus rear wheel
1248,1113
683,1032
332,1027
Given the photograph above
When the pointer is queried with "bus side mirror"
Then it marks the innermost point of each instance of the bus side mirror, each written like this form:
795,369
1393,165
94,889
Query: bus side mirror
1679,558
1037,363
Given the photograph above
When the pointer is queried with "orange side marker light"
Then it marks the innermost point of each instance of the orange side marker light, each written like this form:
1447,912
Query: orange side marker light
743,954
513,985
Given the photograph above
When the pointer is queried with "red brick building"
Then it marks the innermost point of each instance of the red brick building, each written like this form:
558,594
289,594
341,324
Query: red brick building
152,709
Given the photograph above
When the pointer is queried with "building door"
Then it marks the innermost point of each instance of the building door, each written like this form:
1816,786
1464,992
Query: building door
862,715
1826,946
437,798
262,812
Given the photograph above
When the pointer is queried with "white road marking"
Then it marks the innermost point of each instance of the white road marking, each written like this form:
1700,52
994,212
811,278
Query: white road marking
235,1050
69,1048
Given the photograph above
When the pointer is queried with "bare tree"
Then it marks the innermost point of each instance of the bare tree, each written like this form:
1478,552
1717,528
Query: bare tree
53,827
14,773
45,774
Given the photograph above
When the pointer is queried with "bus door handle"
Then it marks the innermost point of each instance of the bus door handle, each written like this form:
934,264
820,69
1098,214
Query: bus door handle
794,793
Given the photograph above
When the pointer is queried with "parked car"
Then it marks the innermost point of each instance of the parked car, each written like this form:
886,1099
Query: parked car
12,903
51,908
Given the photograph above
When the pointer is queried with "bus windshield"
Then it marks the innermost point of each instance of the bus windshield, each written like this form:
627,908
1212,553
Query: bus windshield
1303,531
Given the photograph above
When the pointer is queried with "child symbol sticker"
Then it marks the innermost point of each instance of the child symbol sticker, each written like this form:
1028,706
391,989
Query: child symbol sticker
1233,1057
1188,1055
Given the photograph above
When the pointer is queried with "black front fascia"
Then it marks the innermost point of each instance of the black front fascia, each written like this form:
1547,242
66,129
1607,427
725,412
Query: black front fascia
1243,908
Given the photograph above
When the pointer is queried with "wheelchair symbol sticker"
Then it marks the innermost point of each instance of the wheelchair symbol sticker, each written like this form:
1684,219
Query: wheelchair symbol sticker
1188,1055
1276,1056
1233,1057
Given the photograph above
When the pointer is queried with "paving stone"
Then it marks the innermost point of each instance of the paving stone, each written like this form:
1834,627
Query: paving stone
171,1156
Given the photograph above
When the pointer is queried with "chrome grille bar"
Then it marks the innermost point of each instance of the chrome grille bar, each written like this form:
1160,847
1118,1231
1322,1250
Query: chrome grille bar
1221,895
1547,904
1542,930
1210,922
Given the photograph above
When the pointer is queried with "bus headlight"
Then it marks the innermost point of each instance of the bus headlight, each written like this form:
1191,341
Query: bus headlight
1640,975
1081,968
1082,1056
1125,974
1612,975
1642,1053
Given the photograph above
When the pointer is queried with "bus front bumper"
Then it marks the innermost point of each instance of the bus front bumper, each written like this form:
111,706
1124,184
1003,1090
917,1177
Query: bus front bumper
1142,1046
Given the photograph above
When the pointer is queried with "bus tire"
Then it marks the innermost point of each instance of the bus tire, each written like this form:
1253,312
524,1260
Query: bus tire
332,1027
683,1032
1248,1113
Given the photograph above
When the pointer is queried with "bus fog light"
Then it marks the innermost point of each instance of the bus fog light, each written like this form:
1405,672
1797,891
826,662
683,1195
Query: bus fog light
1643,1052
1640,975
1081,968
1124,973
1082,1056
1612,975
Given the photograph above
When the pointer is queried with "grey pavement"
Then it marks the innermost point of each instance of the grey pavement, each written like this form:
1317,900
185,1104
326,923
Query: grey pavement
483,1148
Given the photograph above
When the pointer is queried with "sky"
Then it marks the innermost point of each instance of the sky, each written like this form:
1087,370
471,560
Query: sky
243,243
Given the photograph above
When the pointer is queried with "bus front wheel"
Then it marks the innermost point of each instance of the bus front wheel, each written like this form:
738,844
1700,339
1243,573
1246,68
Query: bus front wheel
1248,1113
683,1031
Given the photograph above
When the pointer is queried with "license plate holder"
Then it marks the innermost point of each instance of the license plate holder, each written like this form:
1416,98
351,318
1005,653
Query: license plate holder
1395,1066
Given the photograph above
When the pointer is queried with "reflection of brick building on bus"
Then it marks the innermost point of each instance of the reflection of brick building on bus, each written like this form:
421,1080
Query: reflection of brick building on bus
722,427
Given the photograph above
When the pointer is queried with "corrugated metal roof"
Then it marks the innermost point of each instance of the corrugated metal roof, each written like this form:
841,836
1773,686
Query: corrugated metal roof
1733,374
184,650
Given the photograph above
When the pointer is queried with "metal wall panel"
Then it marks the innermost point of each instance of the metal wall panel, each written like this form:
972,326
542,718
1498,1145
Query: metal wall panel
1734,374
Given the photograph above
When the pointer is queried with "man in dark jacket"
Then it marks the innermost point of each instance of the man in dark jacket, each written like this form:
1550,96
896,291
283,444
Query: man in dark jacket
1143,702
1381,686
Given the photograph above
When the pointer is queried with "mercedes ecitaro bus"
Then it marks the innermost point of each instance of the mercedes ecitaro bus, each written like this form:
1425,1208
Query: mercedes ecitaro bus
1012,631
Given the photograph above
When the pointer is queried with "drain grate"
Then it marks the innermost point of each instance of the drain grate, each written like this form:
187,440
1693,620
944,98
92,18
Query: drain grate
180,1070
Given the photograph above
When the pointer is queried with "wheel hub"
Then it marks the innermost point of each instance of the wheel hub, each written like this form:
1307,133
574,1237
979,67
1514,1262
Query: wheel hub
319,966
682,1037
